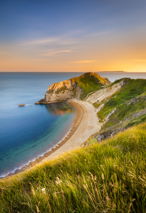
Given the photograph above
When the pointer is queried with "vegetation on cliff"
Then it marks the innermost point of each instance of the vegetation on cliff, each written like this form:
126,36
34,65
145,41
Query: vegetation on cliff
77,87
131,89
90,82
124,108
104,177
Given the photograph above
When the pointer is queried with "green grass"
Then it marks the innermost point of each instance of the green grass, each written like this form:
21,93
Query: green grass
126,111
104,177
138,120
96,104
89,82
117,81
131,89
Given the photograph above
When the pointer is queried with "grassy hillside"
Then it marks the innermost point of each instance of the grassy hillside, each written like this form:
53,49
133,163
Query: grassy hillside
130,90
106,177
127,110
124,109
90,82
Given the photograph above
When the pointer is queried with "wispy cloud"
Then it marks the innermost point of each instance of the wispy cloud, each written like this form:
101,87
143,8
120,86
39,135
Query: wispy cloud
57,52
62,39
140,60
71,37
43,41
84,62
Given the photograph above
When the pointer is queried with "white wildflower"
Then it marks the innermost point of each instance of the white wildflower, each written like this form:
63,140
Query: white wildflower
43,190
58,181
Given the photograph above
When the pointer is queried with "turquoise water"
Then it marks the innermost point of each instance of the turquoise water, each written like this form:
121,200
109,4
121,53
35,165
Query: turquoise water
28,132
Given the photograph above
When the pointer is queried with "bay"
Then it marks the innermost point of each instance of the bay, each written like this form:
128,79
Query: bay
28,132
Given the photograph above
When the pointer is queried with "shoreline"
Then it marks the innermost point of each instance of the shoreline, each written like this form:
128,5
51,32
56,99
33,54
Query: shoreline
76,122
88,126
85,124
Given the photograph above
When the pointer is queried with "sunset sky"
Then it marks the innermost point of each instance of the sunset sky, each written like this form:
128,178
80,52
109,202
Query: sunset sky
73,35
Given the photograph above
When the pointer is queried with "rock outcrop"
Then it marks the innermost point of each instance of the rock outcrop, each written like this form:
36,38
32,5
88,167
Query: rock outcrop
21,105
62,91
77,88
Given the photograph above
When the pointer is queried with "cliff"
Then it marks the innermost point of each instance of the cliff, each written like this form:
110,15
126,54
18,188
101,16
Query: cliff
77,87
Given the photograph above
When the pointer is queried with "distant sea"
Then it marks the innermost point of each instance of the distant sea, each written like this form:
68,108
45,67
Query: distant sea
28,132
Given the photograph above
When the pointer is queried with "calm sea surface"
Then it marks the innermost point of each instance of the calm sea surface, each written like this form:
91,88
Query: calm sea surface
28,132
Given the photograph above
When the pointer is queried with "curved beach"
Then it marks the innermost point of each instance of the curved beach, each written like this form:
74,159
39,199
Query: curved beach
84,125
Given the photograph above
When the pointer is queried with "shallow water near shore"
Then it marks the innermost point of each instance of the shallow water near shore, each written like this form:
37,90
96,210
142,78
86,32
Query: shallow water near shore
36,135
30,131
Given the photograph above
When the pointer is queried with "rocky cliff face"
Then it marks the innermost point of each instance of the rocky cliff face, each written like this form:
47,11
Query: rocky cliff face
77,88
62,91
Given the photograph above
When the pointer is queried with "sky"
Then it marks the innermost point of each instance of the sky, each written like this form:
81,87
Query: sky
73,35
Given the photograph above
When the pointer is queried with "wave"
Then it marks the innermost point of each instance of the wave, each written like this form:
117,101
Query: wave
26,105
29,104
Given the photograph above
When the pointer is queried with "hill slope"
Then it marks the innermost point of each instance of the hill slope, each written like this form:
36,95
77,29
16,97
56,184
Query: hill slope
106,177
122,107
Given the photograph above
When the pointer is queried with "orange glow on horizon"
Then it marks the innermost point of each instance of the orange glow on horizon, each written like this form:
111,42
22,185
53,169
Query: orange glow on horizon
23,66
98,55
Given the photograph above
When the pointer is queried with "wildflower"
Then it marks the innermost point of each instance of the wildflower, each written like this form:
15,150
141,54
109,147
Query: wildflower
43,190
58,181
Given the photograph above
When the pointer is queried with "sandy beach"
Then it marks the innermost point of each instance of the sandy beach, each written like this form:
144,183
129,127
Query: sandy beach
84,125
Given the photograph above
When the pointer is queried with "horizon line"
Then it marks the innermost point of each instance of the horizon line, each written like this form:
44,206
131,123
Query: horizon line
70,71
80,71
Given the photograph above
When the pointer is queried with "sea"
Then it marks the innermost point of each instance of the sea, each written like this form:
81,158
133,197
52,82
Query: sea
28,132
